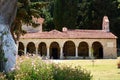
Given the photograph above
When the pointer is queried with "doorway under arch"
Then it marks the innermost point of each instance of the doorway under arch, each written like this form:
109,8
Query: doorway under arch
83,50
54,50
97,50
31,48
20,49
42,49
69,48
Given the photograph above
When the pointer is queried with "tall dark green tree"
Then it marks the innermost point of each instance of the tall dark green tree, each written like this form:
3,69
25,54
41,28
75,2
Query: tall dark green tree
85,14
65,13
91,13
106,7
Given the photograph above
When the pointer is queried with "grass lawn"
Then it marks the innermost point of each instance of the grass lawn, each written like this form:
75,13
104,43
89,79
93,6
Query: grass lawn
103,69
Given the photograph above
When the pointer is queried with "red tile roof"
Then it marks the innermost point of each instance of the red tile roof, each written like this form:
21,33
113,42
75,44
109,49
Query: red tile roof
71,34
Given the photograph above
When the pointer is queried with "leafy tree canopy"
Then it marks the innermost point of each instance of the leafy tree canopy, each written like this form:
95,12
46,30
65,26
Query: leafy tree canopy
26,9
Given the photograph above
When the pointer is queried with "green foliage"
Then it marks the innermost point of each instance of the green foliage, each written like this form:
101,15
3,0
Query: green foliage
25,11
70,73
90,14
65,15
85,13
48,23
33,68
38,0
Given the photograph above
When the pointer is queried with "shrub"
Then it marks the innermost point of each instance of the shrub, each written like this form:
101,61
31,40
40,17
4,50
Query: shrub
33,68
70,73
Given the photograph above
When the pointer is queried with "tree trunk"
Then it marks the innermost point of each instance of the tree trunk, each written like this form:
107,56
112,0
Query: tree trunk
7,14
9,47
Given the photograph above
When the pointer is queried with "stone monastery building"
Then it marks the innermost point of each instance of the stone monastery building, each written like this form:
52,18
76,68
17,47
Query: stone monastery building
70,44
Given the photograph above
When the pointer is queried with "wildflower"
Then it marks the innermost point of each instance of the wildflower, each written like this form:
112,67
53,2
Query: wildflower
32,63
17,67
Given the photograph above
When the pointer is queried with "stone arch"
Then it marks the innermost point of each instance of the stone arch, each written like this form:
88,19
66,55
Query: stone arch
54,50
20,49
42,49
97,50
69,48
83,49
31,48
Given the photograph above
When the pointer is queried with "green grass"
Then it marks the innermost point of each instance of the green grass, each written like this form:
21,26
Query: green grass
104,69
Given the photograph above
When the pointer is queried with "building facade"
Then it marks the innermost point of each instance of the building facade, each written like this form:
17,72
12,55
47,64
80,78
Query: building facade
70,43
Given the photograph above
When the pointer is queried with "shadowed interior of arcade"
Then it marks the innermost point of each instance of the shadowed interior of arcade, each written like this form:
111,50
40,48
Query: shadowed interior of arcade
21,49
42,49
69,49
31,49
97,50
54,51
83,50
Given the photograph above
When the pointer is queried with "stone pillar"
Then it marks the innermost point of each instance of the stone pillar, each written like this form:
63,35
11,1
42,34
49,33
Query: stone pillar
25,50
36,50
76,54
61,53
48,53
90,52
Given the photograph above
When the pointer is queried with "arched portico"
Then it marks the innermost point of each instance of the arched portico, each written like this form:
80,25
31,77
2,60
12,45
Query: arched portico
97,50
31,48
54,50
69,48
20,49
42,49
83,49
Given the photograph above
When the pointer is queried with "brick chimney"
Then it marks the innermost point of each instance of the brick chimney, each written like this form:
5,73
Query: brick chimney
105,24
38,21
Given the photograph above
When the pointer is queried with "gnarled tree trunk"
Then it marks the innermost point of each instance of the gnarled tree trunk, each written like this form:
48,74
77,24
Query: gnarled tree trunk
7,14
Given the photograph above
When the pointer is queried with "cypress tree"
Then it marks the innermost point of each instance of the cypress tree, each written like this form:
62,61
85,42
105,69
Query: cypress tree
65,13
